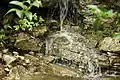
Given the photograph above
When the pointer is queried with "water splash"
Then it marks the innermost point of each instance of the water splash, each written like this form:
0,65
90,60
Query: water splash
92,66
87,58
63,4
52,38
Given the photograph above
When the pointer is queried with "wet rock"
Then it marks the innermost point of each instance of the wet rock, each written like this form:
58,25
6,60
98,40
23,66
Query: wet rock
27,42
76,10
51,77
110,44
20,73
104,60
41,69
110,62
45,67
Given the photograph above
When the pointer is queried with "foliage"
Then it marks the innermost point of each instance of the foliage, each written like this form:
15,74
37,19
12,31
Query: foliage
26,24
2,35
106,22
24,9
25,20
101,16
117,35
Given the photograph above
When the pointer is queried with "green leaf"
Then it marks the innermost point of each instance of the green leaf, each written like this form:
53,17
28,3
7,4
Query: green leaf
2,36
28,1
11,10
37,4
103,9
97,24
41,19
29,15
40,3
7,26
17,3
23,28
94,8
116,35
19,13
110,13
1,31
16,27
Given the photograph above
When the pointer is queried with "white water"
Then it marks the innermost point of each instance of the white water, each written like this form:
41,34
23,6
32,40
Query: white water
63,4
50,40
93,68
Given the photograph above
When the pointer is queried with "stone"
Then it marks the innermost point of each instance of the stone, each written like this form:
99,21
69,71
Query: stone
8,59
7,69
27,61
5,50
18,73
30,57
48,58
27,42
110,44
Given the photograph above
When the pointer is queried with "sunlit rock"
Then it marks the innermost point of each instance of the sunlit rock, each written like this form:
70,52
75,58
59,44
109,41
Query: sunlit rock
110,44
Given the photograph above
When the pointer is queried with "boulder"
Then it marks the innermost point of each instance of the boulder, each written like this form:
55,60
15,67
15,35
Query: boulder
110,59
27,42
110,44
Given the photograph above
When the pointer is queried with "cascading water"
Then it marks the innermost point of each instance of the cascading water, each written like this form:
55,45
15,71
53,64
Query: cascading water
63,4
85,58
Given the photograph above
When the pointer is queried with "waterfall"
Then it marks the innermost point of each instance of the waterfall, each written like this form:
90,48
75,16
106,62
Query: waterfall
87,58
63,4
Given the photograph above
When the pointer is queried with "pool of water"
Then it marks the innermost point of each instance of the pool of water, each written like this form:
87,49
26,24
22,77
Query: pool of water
51,77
